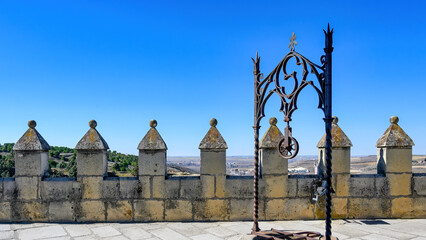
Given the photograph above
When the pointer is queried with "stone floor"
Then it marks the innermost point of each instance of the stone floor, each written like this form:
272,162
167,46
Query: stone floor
344,229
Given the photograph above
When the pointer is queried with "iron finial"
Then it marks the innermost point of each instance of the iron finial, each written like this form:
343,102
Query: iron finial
293,42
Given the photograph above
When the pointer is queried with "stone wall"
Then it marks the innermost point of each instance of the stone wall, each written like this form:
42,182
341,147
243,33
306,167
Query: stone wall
394,192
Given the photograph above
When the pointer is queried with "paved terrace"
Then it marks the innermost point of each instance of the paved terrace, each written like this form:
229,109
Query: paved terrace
344,229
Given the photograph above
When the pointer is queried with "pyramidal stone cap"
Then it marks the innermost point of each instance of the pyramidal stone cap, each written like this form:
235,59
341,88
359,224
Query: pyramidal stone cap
272,136
152,139
31,140
338,137
213,138
394,136
92,140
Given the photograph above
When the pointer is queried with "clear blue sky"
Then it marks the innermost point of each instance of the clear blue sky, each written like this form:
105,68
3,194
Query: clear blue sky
123,63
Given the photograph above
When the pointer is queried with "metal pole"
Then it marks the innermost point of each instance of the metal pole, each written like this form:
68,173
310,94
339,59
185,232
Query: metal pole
328,119
256,73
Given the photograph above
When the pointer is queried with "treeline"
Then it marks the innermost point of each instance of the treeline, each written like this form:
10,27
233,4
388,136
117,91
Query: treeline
122,162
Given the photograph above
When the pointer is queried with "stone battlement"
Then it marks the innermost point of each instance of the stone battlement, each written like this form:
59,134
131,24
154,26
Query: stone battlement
394,192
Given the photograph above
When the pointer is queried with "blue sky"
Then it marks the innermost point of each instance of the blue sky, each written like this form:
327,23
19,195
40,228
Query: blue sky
123,63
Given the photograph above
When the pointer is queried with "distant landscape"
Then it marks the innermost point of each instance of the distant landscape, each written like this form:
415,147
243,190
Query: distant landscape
62,162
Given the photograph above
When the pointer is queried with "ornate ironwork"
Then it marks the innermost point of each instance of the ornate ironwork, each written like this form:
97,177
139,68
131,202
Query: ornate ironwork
264,88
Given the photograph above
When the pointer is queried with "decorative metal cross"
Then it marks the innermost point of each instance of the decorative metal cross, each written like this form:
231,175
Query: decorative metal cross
293,42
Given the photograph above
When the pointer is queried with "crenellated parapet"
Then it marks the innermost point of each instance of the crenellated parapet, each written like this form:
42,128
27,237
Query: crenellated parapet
31,196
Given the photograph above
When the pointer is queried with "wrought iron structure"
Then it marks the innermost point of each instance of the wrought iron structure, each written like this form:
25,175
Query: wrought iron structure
264,88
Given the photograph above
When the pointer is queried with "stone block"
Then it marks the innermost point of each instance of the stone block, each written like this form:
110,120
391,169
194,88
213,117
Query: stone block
399,184
92,211
305,187
149,210
382,187
221,186
1,188
57,190
190,188
397,160
208,186
92,163
402,207
419,185
272,163
362,187
27,187
211,210
275,186
290,208
242,210
61,212
342,184
152,163
5,211
369,208
341,160
238,187
165,188
31,163
119,211
110,189
145,185
339,208
213,162
10,192
130,189
178,210
419,207
92,187
29,211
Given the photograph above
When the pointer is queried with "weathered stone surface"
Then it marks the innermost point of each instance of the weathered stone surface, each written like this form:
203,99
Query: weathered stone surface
213,138
399,184
152,141
130,189
242,210
213,162
221,186
190,188
110,189
342,184
239,187
339,208
382,187
369,208
92,163
339,138
57,190
207,186
419,207
178,210
92,187
5,211
10,192
165,188
272,163
291,187
305,187
92,211
280,209
29,211
211,210
394,136
152,163
362,187
394,160
419,185
31,140
145,184
149,210
92,140
31,163
61,212
119,211
402,207
27,187
272,136
275,186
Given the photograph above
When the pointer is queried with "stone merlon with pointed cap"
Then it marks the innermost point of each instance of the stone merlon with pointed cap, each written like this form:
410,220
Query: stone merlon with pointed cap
92,140
152,139
213,139
31,140
339,138
394,136
272,136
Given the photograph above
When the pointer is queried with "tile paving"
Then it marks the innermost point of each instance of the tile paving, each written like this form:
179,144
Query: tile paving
386,229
